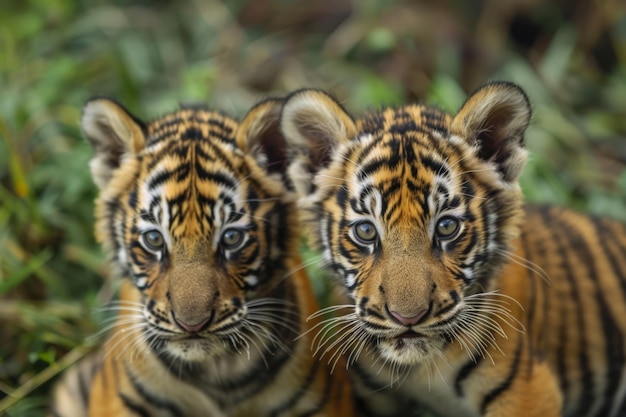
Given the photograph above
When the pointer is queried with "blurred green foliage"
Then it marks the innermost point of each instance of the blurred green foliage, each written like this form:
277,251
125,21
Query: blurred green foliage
570,56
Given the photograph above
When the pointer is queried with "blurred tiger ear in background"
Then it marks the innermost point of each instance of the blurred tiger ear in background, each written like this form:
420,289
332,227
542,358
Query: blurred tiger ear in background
259,134
493,120
114,133
314,124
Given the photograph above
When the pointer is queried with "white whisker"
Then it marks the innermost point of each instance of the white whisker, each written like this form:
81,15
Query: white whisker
525,263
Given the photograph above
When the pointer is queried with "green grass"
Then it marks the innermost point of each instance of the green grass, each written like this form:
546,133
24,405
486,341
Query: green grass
151,55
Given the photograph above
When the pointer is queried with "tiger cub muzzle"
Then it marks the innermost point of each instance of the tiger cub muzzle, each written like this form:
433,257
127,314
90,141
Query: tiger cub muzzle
198,303
410,307
194,307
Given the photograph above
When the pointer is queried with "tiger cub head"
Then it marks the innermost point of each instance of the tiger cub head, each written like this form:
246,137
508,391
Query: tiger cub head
412,208
191,209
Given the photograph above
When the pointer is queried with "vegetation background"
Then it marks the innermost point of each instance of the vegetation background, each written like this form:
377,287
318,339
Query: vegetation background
570,56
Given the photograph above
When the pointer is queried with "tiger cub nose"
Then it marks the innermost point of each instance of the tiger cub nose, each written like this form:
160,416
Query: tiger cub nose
407,321
193,328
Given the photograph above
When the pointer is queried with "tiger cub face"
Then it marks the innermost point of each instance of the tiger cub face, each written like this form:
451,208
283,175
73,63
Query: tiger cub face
413,210
191,212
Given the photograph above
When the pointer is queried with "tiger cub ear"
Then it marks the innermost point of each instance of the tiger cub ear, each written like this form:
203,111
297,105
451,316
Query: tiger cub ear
493,120
114,134
314,124
259,134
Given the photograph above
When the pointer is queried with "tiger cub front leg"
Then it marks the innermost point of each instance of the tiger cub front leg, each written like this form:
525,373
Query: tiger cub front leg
536,395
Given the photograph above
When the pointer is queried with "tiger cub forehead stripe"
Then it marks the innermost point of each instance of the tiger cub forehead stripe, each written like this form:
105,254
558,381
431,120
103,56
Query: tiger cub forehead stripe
192,124
399,171
406,118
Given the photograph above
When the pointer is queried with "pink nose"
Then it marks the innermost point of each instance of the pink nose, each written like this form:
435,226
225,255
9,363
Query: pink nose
407,321
192,328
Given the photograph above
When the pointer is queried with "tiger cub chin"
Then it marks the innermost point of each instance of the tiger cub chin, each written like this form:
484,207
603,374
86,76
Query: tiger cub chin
459,297
197,221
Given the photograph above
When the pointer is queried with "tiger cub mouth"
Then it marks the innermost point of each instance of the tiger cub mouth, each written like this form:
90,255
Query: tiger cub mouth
410,334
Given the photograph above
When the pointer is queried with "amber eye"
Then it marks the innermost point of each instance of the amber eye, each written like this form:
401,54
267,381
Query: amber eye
448,227
231,238
365,232
153,240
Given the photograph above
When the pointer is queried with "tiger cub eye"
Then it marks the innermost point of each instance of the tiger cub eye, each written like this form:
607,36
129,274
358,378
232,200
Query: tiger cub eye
153,240
447,227
231,238
365,231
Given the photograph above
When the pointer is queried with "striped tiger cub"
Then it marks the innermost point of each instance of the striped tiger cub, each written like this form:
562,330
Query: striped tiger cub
197,221
459,297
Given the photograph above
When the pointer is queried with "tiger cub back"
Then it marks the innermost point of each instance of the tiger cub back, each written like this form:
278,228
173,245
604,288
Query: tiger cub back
197,222
458,296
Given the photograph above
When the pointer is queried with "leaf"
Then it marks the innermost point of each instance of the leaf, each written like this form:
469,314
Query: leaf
17,171
35,262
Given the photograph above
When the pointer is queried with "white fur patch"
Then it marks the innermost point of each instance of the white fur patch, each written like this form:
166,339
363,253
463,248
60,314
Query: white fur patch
350,279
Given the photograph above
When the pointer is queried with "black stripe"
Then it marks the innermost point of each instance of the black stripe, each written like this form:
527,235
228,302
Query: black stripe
561,354
86,376
530,278
203,200
112,208
437,167
283,232
221,178
435,120
357,203
573,239
219,123
403,125
408,408
409,155
621,408
84,384
614,349
224,137
486,274
203,156
504,385
606,235
132,199
367,379
243,387
192,133
362,153
536,249
156,400
159,179
563,341
465,372
133,406
224,158
182,171
303,389
327,390
180,149
370,168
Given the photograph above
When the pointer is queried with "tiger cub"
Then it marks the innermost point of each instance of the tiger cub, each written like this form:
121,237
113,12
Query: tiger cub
196,219
459,297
